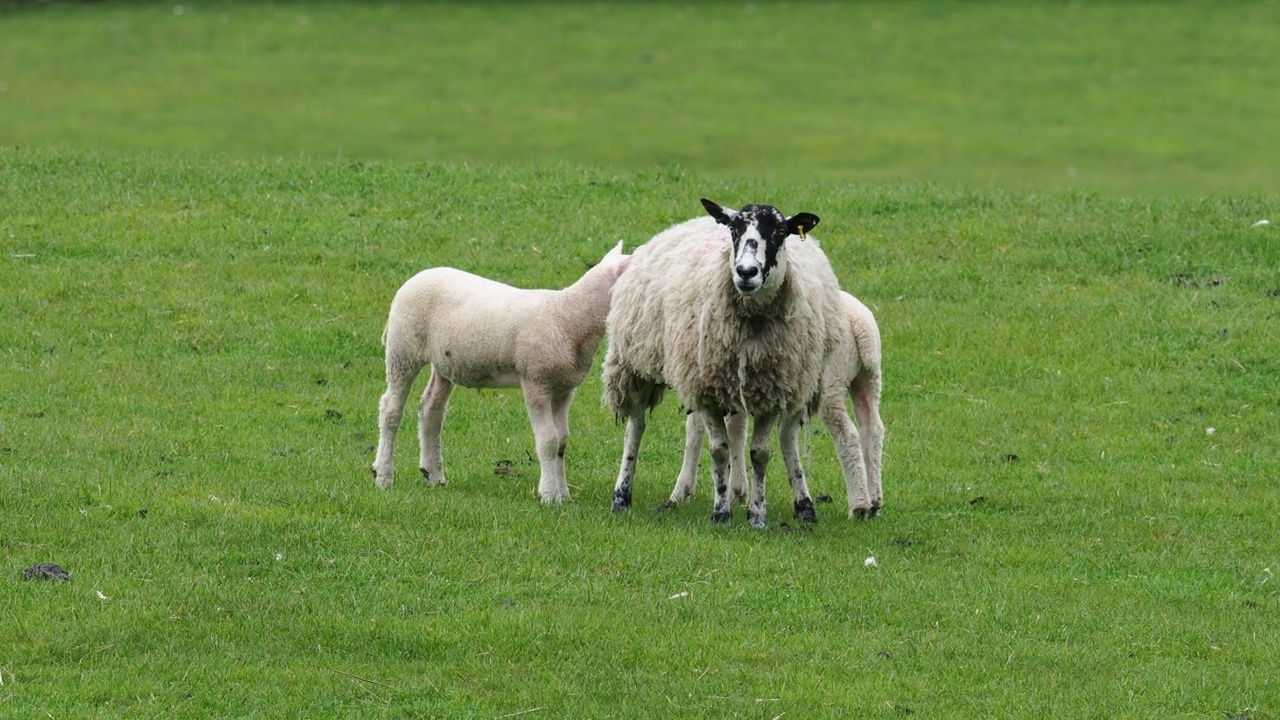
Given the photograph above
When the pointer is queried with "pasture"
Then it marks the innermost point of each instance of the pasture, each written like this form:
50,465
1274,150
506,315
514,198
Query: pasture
1080,390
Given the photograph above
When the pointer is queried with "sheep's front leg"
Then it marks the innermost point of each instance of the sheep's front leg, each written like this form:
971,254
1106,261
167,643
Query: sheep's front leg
390,412
435,400
687,482
548,414
759,466
721,511
630,450
849,449
788,439
866,403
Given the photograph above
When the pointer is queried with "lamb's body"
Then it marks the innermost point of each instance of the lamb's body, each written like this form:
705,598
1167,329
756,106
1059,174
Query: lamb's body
854,370
480,333
681,319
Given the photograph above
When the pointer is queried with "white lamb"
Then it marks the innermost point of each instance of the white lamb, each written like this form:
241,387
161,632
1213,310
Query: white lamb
734,317
854,369
483,334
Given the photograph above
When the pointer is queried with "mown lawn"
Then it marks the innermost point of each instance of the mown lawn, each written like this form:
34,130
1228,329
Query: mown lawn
1080,469
1055,210
1131,98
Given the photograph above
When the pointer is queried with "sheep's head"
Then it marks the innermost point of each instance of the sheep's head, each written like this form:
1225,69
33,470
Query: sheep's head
759,235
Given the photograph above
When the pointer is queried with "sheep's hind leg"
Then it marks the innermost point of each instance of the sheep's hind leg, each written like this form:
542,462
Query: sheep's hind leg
849,449
866,403
788,439
435,400
736,424
630,450
694,433
721,512
390,412
756,510
548,415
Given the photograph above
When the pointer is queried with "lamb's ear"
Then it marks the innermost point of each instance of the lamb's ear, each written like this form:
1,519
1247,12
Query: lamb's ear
721,213
801,223
614,253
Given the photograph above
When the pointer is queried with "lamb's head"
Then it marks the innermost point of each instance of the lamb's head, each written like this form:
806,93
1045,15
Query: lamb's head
759,243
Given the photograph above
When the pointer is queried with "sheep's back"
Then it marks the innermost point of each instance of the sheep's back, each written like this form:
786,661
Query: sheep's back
463,324
638,315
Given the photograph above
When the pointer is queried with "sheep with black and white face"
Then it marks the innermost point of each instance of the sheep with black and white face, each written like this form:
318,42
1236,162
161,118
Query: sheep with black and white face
735,312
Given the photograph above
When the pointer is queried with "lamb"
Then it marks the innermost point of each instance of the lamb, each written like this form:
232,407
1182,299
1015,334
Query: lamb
854,369
479,333
732,317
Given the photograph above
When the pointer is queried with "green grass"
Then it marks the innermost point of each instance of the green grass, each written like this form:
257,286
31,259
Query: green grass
205,209
189,371
1130,98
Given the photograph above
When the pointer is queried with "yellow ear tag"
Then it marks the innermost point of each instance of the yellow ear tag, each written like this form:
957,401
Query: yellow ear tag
803,235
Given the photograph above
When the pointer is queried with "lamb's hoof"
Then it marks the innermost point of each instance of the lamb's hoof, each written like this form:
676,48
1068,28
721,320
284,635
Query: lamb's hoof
875,510
757,520
382,483
862,513
621,500
739,497
430,479
721,518
805,512
553,498
669,505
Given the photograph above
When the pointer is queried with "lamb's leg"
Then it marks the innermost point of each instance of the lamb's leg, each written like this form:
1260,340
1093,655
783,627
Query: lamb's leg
736,424
849,449
721,512
630,450
759,466
560,412
400,379
550,441
687,482
435,400
866,403
788,439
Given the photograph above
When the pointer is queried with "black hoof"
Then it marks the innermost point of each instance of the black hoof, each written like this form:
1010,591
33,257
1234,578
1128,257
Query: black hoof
621,501
805,512
862,513
721,518
669,505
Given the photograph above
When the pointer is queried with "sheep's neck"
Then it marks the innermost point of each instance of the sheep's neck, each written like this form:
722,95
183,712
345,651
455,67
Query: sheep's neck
589,298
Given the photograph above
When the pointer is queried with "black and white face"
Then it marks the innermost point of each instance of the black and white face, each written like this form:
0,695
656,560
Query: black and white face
759,235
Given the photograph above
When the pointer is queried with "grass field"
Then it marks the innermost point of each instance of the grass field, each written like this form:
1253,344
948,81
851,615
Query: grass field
190,373
1124,97
201,237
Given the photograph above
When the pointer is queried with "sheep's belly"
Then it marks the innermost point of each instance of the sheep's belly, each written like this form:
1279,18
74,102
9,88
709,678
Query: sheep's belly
474,376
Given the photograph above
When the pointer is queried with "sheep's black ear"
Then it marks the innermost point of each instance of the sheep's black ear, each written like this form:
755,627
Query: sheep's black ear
717,211
801,223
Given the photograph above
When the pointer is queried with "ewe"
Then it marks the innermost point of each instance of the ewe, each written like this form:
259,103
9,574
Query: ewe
853,370
735,319
479,333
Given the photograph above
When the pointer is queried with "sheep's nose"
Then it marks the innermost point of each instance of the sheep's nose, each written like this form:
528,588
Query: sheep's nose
746,272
